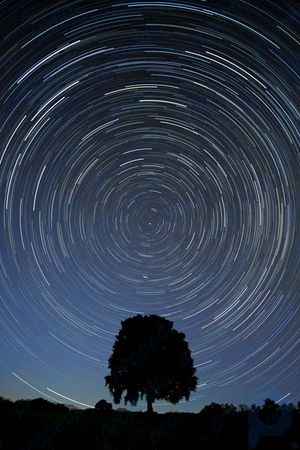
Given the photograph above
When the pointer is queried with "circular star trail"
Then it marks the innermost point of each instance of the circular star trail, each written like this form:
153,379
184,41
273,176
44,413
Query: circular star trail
150,164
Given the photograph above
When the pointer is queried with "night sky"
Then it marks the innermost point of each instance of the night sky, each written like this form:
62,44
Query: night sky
149,164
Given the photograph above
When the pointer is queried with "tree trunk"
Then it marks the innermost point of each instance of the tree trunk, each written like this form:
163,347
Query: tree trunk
149,406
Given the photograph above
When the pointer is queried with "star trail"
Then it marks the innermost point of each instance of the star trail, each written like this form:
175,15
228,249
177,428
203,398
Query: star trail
150,164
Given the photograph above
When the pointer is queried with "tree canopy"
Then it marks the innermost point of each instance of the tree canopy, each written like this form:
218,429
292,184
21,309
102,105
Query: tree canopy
152,360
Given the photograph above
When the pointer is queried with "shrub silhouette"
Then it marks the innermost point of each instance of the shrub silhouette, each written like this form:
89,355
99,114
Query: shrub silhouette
150,359
103,406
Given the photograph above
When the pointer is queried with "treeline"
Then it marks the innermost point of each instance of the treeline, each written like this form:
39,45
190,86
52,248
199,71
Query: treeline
36,404
38,424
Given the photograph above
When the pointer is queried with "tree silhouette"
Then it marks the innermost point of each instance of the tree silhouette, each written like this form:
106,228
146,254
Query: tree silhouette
150,359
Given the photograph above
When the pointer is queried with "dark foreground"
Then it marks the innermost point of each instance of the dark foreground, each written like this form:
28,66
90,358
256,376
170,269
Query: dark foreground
38,424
